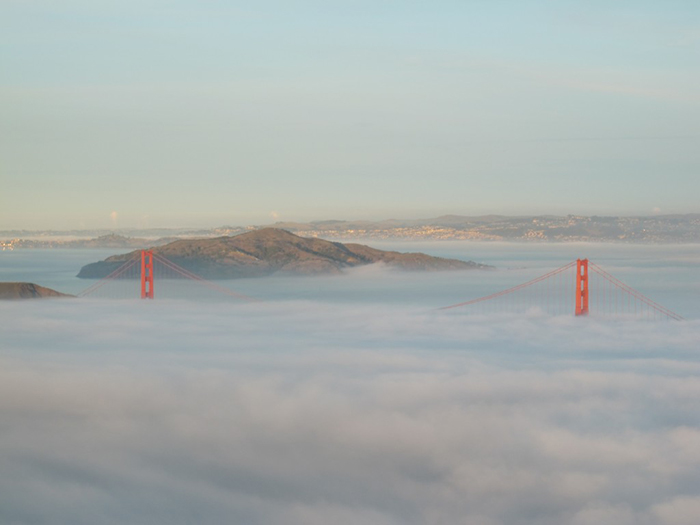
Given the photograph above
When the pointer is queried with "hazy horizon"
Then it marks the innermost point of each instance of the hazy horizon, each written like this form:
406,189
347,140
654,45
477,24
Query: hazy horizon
143,114
271,222
117,222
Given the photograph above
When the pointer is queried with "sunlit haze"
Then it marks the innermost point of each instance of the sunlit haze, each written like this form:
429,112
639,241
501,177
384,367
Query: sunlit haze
136,114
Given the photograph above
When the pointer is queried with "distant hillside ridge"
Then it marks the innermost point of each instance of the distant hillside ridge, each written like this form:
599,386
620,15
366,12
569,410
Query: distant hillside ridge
683,228
272,250
28,291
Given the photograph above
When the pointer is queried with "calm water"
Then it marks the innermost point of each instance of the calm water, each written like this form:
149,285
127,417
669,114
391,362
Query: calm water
667,274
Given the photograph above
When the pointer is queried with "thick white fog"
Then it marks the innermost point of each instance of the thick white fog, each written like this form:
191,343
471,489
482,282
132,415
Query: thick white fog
315,413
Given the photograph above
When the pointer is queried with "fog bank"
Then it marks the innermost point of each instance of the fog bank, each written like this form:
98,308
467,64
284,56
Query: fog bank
308,413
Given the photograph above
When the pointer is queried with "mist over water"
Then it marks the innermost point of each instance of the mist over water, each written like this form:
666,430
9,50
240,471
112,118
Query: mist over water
665,273
349,399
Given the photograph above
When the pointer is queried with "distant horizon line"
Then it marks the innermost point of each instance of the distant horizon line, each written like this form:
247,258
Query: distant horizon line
369,221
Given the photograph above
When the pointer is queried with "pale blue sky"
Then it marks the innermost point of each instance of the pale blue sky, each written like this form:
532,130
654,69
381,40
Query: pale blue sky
184,113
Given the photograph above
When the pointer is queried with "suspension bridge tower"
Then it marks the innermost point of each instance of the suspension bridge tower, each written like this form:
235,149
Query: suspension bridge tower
581,287
146,274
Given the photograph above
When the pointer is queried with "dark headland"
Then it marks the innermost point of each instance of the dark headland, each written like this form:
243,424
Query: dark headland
27,291
271,250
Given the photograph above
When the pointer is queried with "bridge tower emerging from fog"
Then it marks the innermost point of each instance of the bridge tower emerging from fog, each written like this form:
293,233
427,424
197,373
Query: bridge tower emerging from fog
581,287
591,290
146,274
553,293
123,282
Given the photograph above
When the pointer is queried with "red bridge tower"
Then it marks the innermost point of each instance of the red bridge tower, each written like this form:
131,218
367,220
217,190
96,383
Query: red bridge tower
582,287
146,274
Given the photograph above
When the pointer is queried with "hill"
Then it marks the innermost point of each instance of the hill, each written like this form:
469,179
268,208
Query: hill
569,228
27,291
271,250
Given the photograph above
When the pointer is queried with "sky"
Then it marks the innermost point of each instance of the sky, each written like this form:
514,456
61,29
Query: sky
160,413
182,113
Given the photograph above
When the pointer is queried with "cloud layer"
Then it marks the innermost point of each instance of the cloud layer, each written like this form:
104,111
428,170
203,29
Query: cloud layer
302,413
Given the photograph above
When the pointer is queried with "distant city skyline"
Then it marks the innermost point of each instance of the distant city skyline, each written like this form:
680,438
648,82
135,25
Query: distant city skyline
202,114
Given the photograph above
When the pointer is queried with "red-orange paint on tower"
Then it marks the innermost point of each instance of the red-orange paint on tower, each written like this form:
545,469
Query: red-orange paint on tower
582,287
146,274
